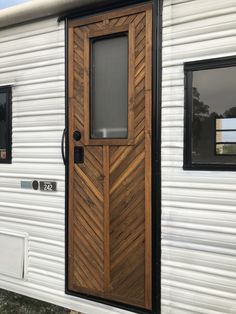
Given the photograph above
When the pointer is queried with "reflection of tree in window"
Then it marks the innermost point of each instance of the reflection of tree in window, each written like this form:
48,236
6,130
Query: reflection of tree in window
200,116
230,113
201,127
204,132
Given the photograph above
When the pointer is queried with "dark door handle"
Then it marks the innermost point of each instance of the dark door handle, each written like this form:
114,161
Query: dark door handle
77,135
63,146
78,155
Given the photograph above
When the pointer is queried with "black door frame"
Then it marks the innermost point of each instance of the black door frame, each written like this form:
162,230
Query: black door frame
156,148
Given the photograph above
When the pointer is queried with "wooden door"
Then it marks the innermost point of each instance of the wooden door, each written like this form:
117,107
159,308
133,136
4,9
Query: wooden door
109,198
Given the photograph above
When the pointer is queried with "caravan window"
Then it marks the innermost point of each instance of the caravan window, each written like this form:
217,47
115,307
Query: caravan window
210,121
5,125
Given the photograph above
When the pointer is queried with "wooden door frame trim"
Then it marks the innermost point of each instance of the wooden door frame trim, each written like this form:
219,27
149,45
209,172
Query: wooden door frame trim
156,150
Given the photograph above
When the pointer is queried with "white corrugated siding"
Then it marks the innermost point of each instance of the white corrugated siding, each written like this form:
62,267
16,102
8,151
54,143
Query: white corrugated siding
198,207
32,58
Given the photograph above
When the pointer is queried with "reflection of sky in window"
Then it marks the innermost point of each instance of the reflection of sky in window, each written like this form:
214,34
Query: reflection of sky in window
229,136
9,3
217,88
228,124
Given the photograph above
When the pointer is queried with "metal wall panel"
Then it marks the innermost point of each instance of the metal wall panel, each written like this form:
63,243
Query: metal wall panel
198,207
32,60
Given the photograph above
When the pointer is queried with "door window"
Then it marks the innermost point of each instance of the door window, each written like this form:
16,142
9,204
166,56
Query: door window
109,90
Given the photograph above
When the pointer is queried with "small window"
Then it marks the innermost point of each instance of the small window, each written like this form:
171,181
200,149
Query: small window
210,114
109,87
5,125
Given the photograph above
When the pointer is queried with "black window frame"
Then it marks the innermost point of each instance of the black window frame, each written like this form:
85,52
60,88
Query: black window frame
189,68
8,90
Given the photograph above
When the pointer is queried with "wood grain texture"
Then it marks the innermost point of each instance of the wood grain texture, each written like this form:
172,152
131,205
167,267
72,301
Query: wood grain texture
148,162
110,193
127,192
106,163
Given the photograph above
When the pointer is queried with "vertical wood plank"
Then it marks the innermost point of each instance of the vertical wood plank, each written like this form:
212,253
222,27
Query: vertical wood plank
70,62
86,89
106,169
148,162
131,84
71,162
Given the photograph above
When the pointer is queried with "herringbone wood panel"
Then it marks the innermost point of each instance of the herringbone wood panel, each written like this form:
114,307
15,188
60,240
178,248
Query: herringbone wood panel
127,195
108,212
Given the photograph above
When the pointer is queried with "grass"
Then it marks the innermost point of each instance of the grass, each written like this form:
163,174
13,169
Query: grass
12,303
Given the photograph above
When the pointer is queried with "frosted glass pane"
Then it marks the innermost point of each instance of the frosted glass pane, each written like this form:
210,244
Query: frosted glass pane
109,87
